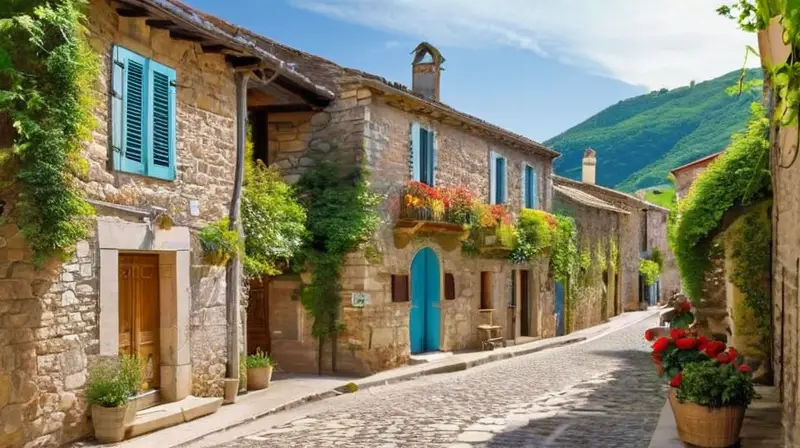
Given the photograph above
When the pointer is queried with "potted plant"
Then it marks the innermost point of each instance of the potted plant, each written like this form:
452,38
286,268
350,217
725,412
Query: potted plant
219,242
709,400
259,370
671,353
109,387
683,316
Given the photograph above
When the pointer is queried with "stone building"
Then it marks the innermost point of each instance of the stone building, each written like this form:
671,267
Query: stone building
379,123
685,175
136,284
644,228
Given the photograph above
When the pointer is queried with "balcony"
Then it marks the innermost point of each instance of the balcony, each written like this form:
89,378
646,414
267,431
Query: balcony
443,213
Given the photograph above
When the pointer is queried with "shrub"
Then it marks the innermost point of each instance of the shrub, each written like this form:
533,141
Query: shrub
535,233
112,381
649,270
259,360
715,384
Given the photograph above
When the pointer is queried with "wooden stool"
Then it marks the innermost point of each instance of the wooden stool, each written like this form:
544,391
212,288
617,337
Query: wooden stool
490,332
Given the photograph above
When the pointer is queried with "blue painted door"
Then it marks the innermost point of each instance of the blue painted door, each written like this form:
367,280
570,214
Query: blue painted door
425,318
559,309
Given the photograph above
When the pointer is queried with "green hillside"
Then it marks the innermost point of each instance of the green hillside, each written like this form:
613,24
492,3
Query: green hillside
639,140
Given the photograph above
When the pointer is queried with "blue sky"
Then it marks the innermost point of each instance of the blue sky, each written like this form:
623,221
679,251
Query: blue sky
535,67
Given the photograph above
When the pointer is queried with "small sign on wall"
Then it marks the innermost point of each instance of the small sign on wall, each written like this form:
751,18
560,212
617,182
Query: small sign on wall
194,208
359,299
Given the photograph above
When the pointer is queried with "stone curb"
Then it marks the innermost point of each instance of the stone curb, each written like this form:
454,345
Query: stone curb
433,370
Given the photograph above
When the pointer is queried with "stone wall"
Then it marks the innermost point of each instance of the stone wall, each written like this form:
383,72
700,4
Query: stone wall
670,281
49,317
686,177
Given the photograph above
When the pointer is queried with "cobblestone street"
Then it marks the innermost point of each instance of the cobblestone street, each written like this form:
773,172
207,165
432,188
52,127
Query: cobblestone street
601,393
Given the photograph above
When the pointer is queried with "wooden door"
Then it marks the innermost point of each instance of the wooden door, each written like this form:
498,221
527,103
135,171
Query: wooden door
258,316
139,316
525,302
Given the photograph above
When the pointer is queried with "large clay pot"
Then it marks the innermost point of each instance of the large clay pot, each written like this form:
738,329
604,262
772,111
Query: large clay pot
230,391
259,378
109,423
704,426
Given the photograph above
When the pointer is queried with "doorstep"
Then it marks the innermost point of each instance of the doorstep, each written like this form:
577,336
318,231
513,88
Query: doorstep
171,414
761,427
422,358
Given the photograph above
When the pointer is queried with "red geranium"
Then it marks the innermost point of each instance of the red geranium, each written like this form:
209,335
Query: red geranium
676,380
723,358
715,348
733,353
702,342
686,343
677,333
648,335
660,345
744,368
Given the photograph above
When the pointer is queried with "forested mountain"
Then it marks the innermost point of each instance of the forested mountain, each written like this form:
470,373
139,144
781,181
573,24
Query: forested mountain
639,140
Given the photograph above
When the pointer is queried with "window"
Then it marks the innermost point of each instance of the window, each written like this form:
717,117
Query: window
643,247
530,198
498,193
399,288
423,154
486,290
143,116
449,287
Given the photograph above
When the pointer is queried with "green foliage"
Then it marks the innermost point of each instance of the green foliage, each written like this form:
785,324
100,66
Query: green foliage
350,387
751,274
613,253
112,381
535,233
341,217
736,178
658,258
259,360
639,140
273,220
708,383
46,75
649,270
661,196
219,242
564,257
675,360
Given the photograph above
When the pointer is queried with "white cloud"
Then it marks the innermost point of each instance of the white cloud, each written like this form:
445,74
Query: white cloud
650,43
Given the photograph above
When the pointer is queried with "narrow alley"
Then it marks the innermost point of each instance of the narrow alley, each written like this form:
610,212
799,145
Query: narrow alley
600,393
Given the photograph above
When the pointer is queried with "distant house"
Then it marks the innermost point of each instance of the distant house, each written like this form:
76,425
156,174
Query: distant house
685,175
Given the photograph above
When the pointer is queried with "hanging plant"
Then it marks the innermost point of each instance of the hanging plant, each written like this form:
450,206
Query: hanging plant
219,243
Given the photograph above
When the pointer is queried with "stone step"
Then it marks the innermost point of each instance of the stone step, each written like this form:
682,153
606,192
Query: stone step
171,414
423,358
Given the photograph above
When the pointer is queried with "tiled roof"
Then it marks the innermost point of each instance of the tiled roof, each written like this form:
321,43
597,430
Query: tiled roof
586,199
706,159
588,188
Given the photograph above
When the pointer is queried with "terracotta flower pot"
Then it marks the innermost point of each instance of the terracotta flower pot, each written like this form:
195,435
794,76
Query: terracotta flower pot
704,426
231,390
259,378
109,423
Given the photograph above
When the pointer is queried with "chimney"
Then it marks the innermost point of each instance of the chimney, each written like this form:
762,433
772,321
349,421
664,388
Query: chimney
589,166
425,70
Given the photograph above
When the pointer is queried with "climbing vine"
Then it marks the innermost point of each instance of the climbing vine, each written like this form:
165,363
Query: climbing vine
46,75
738,177
535,231
564,256
751,274
342,217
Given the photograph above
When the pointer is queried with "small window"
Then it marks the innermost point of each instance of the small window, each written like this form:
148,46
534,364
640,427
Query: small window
423,154
399,288
486,290
143,115
449,287
498,193
530,197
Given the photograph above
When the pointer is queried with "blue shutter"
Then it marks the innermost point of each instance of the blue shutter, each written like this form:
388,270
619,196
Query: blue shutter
133,123
501,181
492,177
161,121
534,189
434,159
524,186
416,167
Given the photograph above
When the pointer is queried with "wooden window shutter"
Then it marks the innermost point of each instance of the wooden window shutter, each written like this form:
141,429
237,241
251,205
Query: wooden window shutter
501,190
492,177
524,186
414,152
130,120
534,189
449,287
161,129
400,288
435,158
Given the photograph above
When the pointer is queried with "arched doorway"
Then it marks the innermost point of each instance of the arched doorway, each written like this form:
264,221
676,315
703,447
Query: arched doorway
425,317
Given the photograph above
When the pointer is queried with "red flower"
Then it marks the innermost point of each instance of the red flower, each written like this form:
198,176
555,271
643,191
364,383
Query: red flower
702,342
656,358
676,380
715,348
685,307
686,343
744,368
723,358
660,345
677,333
648,335
733,353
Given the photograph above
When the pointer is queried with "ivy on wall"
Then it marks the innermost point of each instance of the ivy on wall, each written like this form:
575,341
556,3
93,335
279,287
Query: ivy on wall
738,177
46,75
341,218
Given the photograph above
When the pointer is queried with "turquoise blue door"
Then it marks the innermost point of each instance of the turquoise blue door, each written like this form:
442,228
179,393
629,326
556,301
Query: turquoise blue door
425,302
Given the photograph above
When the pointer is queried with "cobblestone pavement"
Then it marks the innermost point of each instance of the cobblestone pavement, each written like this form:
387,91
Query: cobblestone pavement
602,393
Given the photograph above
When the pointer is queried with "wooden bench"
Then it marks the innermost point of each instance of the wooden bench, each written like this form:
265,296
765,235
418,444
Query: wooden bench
490,333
